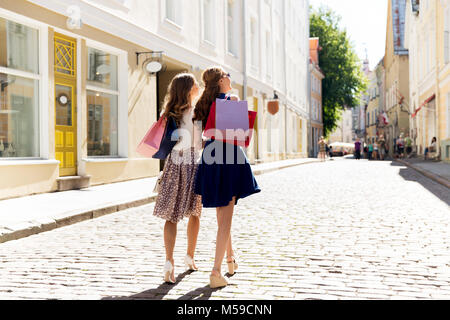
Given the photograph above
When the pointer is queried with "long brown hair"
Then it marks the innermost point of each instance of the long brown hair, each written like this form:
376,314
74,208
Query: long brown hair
178,99
211,78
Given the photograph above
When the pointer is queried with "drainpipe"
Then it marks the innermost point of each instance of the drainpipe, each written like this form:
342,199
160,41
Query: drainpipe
244,48
285,80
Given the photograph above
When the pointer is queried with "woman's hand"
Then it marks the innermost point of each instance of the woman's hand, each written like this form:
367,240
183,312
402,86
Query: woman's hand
234,97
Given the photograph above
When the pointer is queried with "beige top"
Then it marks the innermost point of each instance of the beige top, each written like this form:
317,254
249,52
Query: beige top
190,133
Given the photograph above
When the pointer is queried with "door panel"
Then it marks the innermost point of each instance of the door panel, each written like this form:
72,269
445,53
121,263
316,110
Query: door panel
65,104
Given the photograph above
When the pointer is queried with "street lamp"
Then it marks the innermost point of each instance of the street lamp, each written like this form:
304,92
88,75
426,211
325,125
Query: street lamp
153,64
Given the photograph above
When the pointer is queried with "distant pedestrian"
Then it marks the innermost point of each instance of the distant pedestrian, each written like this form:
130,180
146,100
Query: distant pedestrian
357,149
375,151
322,149
369,151
382,147
408,143
431,148
331,152
400,146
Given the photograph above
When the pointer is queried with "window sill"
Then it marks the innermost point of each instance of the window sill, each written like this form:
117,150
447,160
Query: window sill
172,25
232,55
26,162
101,160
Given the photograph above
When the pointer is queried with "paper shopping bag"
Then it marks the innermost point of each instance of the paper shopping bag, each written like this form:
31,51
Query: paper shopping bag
168,141
212,132
152,139
232,117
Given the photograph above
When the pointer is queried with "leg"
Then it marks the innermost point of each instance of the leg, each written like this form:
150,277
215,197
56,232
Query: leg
192,234
224,218
170,235
230,252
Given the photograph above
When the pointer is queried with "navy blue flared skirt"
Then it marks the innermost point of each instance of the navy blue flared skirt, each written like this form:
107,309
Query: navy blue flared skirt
223,173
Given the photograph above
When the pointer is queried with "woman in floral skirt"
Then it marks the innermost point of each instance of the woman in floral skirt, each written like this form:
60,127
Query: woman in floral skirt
176,198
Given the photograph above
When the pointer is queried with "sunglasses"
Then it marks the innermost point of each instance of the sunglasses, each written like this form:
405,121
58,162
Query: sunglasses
226,75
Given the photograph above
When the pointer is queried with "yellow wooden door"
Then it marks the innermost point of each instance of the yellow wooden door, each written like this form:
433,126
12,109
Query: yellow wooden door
65,104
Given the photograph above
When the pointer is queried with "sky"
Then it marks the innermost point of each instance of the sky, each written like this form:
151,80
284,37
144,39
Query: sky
365,22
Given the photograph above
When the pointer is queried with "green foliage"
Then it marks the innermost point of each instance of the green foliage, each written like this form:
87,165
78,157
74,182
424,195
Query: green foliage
344,78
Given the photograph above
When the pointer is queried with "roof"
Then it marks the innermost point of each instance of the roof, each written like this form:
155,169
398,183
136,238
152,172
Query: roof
398,24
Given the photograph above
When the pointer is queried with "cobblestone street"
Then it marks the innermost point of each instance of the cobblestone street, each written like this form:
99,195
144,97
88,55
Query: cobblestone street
342,229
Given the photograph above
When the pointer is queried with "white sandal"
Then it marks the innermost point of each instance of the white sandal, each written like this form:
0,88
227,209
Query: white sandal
189,262
168,269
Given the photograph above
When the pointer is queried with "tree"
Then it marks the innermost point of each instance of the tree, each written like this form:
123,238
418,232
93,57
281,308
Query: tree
344,79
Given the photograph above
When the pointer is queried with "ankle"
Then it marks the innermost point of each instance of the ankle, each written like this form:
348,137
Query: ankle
215,272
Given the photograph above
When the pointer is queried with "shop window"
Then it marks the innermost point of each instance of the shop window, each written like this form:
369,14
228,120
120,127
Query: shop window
19,90
102,103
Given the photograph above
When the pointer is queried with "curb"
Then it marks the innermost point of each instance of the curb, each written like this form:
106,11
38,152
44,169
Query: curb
426,173
26,229
263,171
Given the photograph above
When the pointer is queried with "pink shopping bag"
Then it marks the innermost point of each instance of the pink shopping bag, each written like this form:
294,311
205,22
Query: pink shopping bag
152,139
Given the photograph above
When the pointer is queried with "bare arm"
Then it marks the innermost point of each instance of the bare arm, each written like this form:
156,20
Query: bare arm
234,97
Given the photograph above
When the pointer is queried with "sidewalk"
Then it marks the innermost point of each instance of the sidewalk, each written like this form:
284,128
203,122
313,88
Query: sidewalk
437,171
25,216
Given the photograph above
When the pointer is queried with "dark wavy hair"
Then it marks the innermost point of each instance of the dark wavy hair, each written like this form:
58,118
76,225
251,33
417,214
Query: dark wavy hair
210,78
178,99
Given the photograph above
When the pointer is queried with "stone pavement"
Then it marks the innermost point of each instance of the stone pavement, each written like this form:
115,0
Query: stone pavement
21,217
342,229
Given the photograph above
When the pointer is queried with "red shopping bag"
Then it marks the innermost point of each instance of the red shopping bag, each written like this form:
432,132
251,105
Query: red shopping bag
211,131
152,140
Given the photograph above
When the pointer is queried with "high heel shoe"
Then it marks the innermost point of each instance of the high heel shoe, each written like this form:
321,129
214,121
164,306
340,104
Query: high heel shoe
189,262
168,269
232,266
217,281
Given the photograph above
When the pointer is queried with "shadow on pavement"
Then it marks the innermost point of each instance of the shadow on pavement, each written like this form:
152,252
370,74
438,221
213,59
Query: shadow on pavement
202,293
153,294
409,174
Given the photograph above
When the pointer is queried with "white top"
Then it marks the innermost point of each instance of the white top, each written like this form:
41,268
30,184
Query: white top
190,134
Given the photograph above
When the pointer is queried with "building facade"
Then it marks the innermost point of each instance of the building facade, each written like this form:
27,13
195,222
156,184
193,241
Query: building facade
343,132
316,114
396,64
76,99
372,108
428,28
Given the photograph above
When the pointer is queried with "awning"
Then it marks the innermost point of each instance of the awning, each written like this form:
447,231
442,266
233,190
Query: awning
342,144
424,103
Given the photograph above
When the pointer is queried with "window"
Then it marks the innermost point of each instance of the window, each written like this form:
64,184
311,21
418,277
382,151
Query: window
254,43
208,21
173,11
269,62
102,103
231,27
19,90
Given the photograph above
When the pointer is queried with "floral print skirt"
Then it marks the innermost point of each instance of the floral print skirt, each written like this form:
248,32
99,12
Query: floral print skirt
176,198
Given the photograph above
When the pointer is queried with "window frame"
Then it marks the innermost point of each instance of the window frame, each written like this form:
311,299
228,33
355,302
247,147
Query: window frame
176,26
212,42
42,78
122,98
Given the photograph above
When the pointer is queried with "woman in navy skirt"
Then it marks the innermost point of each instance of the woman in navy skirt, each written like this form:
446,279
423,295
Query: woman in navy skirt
221,180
